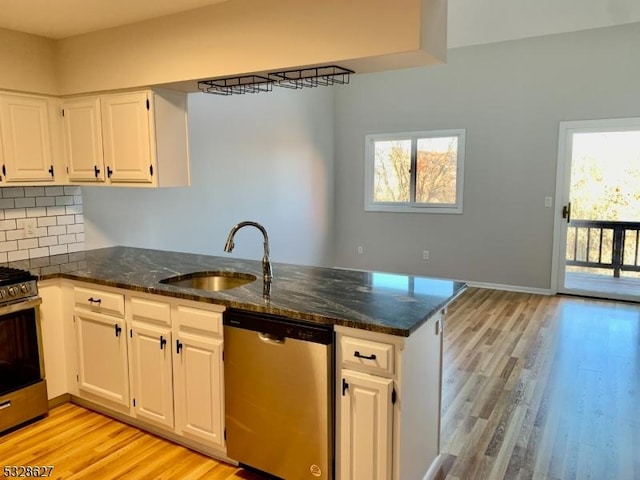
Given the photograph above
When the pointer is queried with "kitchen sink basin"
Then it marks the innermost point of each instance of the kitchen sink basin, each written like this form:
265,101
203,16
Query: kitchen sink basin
213,281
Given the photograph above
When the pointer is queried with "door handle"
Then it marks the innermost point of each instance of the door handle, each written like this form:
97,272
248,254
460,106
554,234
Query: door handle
118,330
163,342
270,338
178,346
566,212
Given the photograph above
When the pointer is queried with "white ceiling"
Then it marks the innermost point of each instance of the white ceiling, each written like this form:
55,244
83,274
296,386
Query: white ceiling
471,22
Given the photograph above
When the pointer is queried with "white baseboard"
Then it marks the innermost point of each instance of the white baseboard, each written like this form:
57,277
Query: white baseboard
511,288
435,467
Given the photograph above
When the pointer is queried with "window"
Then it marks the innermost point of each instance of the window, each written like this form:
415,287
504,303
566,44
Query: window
415,172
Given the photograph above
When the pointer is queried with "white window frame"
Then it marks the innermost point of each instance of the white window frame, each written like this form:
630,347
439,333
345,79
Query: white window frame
412,207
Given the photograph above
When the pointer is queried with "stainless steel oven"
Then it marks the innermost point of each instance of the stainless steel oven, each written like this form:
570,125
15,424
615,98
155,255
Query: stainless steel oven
23,390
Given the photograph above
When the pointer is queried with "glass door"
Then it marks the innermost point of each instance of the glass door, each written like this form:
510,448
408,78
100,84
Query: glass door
599,187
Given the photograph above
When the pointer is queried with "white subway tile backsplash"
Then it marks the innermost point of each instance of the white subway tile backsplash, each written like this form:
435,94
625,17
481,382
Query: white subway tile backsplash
53,191
15,213
74,209
48,241
28,243
58,215
36,212
13,192
15,234
25,202
47,221
71,238
75,247
66,219
61,230
54,211
8,246
18,255
38,252
75,228
7,224
34,191
64,200
57,249
45,201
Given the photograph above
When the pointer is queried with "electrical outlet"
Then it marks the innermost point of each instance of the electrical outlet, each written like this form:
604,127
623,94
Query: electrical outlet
30,225
360,250
425,254
548,201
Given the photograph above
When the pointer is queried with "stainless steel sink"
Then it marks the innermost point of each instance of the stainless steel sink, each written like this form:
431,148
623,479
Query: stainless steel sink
213,281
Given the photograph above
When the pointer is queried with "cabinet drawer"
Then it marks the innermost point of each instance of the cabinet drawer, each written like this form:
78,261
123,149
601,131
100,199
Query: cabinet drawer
99,300
143,309
199,319
366,355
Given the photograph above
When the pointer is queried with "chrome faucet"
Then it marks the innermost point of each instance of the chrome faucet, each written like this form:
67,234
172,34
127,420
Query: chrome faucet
266,263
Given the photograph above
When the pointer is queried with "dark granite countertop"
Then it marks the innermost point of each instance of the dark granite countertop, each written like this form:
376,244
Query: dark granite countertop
382,302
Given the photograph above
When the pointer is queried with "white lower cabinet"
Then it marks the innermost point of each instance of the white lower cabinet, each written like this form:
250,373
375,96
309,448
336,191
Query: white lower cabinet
154,360
199,374
388,403
365,425
102,357
151,372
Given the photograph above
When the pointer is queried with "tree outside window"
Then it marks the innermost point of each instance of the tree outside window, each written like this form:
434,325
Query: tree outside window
415,172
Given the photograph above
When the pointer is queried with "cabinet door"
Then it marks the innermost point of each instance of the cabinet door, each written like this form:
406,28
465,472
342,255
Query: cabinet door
127,137
26,138
365,426
152,373
199,388
83,139
102,356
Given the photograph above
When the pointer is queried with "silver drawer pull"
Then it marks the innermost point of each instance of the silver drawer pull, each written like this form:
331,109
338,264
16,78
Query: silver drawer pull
4,405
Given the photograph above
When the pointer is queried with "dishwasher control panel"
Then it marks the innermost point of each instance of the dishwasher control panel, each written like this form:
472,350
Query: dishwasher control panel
279,326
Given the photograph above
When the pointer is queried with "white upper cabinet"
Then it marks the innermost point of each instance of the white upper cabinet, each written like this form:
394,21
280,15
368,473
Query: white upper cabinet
27,151
82,129
129,139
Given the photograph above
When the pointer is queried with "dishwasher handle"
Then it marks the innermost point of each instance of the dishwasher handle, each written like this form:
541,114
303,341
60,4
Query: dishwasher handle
271,338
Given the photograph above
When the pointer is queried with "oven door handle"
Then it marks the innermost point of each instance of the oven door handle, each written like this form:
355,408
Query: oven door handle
20,306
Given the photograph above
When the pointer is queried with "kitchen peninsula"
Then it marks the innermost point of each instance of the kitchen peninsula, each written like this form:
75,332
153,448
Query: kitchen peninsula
388,347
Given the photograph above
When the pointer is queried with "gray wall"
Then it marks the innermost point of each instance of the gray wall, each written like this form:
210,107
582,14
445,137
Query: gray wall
265,157
270,157
510,98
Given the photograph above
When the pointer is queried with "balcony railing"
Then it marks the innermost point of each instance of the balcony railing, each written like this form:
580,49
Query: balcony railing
604,244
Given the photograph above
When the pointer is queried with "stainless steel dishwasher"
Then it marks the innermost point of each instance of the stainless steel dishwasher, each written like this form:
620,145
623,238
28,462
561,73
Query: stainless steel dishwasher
278,395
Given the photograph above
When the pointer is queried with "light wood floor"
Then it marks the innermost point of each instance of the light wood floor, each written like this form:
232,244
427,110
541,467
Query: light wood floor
535,387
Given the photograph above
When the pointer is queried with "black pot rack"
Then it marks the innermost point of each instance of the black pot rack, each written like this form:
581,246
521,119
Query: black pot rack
295,79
